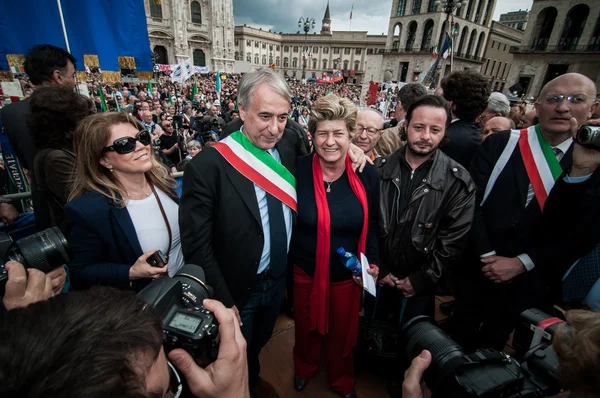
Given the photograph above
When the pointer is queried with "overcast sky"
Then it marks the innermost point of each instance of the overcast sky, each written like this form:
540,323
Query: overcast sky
370,15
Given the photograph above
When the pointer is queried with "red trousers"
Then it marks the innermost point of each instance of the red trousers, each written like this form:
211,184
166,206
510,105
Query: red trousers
344,305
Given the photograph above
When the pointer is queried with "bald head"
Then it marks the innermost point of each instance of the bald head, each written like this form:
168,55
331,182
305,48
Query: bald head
527,119
571,95
495,124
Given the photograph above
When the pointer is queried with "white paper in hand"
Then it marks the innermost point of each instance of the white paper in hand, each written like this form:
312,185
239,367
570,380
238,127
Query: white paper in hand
368,282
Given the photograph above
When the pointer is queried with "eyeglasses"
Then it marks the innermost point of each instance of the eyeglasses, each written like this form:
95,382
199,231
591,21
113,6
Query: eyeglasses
370,130
168,125
125,145
558,98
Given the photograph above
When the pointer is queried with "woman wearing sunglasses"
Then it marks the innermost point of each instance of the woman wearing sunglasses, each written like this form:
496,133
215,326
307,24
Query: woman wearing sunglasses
123,206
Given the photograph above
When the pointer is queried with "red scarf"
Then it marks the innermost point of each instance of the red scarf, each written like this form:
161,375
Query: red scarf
319,297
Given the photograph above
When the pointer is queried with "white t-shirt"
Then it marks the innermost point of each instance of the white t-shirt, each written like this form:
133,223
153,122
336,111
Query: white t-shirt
151,229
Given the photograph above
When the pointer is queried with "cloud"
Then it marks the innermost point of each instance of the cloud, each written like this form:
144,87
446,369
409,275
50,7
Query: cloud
283,15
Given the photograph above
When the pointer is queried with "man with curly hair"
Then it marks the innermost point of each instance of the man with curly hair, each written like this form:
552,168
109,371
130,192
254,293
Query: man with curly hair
467,92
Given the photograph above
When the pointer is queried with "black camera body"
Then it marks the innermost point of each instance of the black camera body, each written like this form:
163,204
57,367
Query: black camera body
588,136
186,323
486,373
45,251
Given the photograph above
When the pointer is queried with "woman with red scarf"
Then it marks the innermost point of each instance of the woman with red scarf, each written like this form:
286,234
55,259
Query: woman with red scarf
336,208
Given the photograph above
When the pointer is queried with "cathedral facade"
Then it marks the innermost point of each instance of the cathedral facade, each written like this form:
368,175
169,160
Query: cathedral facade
198,31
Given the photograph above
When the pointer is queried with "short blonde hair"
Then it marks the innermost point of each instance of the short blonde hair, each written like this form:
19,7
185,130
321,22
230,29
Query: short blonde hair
194,144
332,107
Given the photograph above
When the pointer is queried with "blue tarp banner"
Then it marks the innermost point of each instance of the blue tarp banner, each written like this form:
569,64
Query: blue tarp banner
106,28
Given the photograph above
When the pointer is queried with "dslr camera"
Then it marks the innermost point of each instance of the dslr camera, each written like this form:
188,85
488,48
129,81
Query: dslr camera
45,250
186,323
488,373
588,136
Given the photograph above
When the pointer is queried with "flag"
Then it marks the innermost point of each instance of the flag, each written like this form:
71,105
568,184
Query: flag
149,87
218,88
194,90
352,9
455,31
118,108
102,100
170,100
328,91
435,51
447,47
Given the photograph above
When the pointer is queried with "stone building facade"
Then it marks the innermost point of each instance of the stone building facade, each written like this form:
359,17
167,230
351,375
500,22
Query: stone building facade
416,26
561,36
316,53
515,19
197,31
498,56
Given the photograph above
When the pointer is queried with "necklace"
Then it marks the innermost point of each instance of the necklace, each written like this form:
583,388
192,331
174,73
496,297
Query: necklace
140,195
328,186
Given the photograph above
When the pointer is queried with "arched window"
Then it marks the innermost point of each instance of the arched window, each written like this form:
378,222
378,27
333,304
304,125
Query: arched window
295,62
155,10
315,62
397,32
488,12
463,38
270,59
412,32
594,44
401,8
478,12
471,42
325,64
427,33
196,12
416,7
543,28
248,57
574,24
432,7
356,65
443,33
256,59
335,63
469,10
480,44
161,55
264,59
286,62
199,58
346,64
277,62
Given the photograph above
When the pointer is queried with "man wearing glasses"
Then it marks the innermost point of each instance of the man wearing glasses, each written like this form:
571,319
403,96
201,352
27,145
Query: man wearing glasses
514,172
369,124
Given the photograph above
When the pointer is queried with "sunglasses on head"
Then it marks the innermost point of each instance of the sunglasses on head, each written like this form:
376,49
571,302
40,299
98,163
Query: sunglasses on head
125,145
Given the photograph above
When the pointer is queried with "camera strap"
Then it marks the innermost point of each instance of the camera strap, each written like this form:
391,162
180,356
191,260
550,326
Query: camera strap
164,215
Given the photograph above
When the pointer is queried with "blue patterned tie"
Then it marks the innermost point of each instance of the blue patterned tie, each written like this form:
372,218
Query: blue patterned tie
582,277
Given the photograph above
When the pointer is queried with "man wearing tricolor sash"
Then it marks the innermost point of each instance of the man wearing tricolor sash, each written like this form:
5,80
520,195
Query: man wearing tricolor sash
237,210
508,261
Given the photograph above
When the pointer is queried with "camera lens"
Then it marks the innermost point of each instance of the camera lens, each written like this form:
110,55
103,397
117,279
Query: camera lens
422,333
194,288
45,250
583,135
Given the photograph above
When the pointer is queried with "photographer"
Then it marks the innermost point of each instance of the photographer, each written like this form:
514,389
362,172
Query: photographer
25,287
575,343
169,143
113,348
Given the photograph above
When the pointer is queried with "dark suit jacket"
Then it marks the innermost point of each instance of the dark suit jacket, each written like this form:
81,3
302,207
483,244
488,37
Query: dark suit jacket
14,119
464,140
503,223
570,222
220,223
104,244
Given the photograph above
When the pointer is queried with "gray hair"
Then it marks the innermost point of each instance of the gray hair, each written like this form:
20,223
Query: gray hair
498,103
250,81
375,111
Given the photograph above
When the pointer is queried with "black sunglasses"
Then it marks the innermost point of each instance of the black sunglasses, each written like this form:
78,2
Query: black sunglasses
125,145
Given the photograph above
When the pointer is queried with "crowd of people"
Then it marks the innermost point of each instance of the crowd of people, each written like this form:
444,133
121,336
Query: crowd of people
462,193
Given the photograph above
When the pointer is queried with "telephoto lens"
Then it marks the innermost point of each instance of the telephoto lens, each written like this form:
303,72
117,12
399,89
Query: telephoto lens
44,250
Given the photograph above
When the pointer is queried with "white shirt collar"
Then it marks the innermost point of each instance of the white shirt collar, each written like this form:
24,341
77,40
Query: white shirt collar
454,120
565,145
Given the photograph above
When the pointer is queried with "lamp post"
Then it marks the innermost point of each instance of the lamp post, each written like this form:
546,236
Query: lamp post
307,24
448,7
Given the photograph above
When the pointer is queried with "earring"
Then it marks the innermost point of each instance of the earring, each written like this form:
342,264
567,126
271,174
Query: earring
111,170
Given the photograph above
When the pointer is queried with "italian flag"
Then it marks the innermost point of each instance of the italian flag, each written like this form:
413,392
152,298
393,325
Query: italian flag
259,167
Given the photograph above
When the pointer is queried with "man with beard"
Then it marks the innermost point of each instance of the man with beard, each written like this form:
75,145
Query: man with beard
426,210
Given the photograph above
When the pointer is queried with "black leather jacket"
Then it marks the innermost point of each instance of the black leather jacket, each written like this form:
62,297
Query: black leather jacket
439,216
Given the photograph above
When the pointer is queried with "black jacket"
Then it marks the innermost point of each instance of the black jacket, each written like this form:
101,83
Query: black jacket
464,140
440,211
14,120
220,223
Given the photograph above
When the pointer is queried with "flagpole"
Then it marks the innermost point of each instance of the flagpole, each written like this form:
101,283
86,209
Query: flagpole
64,28
452,44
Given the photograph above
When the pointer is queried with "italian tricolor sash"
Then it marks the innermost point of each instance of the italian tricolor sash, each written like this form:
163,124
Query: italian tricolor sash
543,169
260,167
